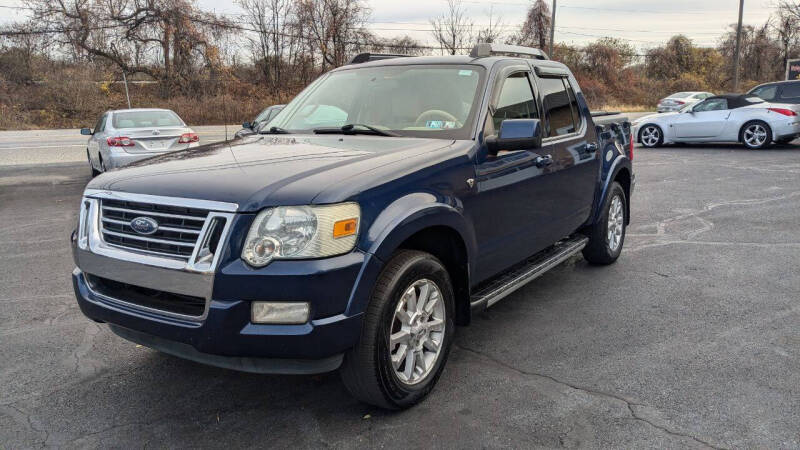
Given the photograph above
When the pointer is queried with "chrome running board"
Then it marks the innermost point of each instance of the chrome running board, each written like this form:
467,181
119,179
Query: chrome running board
496,289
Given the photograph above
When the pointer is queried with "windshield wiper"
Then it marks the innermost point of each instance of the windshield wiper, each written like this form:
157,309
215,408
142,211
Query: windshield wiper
274,130
350,128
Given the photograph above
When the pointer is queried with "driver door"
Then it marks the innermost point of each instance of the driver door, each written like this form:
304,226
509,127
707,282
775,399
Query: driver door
706,120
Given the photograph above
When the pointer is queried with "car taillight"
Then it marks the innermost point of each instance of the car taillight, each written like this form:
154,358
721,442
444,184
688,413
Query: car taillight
784,111
630,147
680,102
187,138
120,141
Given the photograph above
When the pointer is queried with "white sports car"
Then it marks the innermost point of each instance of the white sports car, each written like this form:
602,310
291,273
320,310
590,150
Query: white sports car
722,118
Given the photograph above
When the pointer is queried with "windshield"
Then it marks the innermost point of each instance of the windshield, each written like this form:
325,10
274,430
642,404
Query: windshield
145,119
681,95
437,101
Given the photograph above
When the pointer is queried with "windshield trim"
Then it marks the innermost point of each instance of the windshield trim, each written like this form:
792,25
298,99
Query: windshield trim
467,131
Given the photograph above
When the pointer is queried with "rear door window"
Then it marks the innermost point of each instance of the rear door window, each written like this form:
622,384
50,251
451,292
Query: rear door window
557,105
791,92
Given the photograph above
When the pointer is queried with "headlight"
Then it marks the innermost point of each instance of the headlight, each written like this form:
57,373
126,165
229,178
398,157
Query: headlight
297,232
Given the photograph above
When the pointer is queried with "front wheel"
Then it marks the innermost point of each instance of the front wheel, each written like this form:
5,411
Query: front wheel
651,136
755,135
95,172
607,235
406,336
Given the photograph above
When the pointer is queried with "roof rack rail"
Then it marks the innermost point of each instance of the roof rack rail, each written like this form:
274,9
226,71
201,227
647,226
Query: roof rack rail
485,49
367,57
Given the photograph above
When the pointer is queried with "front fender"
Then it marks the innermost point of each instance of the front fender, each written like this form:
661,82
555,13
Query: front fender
400,220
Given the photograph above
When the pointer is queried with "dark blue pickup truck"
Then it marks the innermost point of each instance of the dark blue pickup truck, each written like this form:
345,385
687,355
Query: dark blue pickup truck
389,201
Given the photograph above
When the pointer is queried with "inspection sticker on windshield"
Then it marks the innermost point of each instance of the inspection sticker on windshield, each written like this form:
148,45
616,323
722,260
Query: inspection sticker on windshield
440,124
464,73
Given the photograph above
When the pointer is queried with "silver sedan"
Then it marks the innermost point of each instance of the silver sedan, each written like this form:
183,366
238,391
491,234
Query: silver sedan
123,136
680,100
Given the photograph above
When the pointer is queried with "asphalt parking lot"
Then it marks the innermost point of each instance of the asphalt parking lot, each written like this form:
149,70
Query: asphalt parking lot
692,339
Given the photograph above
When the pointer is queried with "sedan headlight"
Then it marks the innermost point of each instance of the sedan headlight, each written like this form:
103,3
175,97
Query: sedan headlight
298,232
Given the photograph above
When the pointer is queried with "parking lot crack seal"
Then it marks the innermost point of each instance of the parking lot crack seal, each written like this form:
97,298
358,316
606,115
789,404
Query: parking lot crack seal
631,405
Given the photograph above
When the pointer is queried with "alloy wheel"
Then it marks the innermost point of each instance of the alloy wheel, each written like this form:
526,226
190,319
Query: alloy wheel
650,136
616,223
417,332
755,135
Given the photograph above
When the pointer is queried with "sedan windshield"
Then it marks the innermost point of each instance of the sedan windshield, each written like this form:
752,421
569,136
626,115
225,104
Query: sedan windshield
438,101
146,119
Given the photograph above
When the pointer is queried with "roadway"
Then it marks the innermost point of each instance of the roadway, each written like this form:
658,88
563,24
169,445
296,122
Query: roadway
692,339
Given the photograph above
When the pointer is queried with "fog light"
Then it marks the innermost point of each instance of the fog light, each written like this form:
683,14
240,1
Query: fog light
279,312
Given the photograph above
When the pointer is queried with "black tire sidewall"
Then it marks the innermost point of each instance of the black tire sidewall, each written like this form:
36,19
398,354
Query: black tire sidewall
423,266
766,126
597,250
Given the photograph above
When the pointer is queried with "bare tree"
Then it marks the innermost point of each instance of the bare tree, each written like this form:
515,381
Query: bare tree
492,32
453,30
335,28
787,27
272,20
170,40
535,31
403,45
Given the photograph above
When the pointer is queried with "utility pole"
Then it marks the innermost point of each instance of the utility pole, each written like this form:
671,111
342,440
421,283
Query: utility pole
553,28
125,79
738,49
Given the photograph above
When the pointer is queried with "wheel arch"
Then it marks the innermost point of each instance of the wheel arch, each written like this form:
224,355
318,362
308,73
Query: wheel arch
647,124
751,121
422,222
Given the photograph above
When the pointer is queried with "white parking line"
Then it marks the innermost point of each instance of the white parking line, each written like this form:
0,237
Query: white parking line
43,146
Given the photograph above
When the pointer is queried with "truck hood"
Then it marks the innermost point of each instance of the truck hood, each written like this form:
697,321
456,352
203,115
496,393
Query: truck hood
265,170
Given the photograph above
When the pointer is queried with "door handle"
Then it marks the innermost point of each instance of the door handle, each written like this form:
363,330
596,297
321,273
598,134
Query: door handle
543,161
591,147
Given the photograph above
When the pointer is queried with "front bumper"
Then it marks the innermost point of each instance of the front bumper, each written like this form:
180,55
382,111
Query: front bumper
224,336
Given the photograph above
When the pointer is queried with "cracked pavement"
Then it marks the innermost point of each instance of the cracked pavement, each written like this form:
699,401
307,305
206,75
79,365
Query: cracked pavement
692,340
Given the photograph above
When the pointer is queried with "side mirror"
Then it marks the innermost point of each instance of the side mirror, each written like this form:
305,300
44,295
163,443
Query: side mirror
516,134
247,125
86,131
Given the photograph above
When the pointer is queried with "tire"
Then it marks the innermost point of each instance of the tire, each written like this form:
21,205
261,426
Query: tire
654,136
95,172
367,370
755,135
601,248
102,164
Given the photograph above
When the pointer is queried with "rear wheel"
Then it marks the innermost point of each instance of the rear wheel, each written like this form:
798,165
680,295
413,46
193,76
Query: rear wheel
755,135
607,235
651,136
406,336
95,172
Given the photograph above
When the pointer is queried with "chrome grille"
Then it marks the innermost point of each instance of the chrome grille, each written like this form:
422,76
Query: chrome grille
178,227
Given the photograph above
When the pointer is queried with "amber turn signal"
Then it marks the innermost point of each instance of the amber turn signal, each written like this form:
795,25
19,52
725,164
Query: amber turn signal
344,228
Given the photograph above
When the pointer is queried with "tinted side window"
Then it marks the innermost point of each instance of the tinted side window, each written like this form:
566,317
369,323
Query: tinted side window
515,101
766,92
715,104
101,124
573,102
791,91
557,107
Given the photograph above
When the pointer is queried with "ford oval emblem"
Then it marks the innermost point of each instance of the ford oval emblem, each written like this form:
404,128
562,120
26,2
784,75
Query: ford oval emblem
144,225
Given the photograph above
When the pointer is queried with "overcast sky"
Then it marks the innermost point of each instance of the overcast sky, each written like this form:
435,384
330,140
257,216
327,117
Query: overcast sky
645,23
